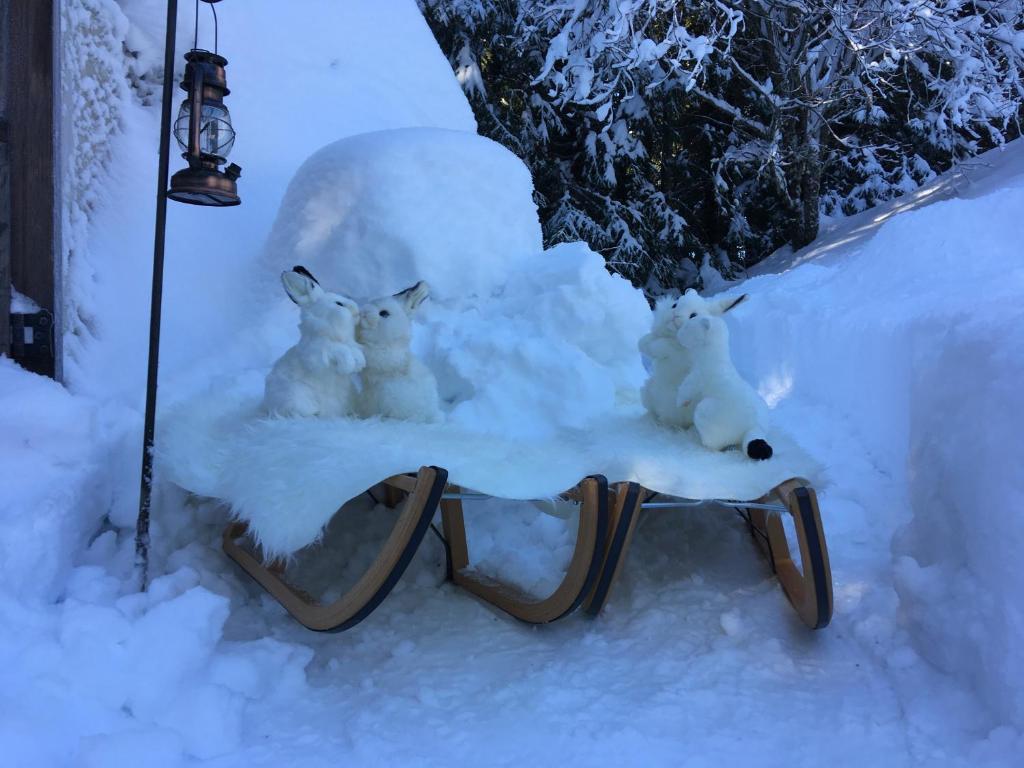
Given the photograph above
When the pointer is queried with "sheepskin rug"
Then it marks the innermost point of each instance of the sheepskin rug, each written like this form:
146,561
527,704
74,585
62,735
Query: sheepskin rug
287,477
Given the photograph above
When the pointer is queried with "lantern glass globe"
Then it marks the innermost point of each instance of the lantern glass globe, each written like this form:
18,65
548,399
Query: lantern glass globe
216,134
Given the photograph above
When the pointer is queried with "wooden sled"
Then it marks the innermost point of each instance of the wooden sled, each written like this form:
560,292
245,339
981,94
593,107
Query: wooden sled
421,494
809,590
580,578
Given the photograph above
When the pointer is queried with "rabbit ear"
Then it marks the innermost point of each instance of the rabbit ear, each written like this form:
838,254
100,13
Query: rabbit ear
301,288
413,296
305,272
722,306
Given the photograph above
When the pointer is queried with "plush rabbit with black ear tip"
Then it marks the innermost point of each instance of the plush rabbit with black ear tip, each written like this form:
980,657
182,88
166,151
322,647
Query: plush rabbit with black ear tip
670,361
314,378
395,384
724,406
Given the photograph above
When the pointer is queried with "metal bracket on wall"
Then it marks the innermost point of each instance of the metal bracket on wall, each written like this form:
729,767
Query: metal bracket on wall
32,342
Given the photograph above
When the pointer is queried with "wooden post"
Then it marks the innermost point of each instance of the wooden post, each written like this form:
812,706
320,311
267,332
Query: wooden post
5,240
5,195
29,111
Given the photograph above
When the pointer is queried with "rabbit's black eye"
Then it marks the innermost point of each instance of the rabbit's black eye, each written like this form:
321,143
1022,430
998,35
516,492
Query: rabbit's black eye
674,304
339,304
693,315
385,313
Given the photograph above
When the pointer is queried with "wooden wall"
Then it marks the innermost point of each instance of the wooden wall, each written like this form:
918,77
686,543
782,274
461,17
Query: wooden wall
31,138
5,197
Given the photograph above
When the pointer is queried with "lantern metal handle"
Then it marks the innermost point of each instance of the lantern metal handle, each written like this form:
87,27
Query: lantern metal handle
196,118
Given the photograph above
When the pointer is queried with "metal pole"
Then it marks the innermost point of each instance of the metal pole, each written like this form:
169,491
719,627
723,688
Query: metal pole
155,305
680,503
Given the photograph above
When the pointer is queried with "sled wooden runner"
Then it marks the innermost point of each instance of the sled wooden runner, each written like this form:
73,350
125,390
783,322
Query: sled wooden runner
808,589
421,493
580,578
625,513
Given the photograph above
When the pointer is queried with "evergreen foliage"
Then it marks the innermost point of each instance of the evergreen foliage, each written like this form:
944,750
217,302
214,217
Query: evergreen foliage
673,135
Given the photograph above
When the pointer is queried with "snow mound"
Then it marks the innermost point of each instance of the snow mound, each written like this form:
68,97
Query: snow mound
139,679
555,347
523,341
374,213
46,436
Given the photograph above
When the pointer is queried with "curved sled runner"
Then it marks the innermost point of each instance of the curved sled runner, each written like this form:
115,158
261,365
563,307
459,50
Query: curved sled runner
607,522
809,590
580,578
422,494
625,513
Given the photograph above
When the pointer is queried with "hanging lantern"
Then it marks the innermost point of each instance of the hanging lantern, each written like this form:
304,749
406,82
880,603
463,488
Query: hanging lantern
204,132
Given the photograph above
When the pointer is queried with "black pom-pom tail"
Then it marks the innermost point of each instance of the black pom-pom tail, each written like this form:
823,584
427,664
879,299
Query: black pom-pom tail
759,450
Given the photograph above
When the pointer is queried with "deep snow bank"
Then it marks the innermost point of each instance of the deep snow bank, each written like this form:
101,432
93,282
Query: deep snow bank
141,679
958,562
915,336
55,483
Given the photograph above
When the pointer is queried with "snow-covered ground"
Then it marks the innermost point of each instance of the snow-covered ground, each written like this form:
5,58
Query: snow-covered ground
892,351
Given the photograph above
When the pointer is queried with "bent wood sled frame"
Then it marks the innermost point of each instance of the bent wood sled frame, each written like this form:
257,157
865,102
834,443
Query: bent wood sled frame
422,494
809,590
607,522
580,577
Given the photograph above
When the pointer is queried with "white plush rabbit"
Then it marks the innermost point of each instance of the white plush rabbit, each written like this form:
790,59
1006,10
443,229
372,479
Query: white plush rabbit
724,406
670,361
314,378
395,384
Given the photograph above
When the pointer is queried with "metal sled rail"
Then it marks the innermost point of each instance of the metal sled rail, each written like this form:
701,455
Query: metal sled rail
678,503
673,504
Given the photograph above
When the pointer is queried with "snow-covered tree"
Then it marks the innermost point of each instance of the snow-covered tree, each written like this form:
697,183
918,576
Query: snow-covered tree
676,133
596,177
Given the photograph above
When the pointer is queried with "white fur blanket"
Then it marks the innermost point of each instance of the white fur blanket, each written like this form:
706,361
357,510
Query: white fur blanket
287,477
